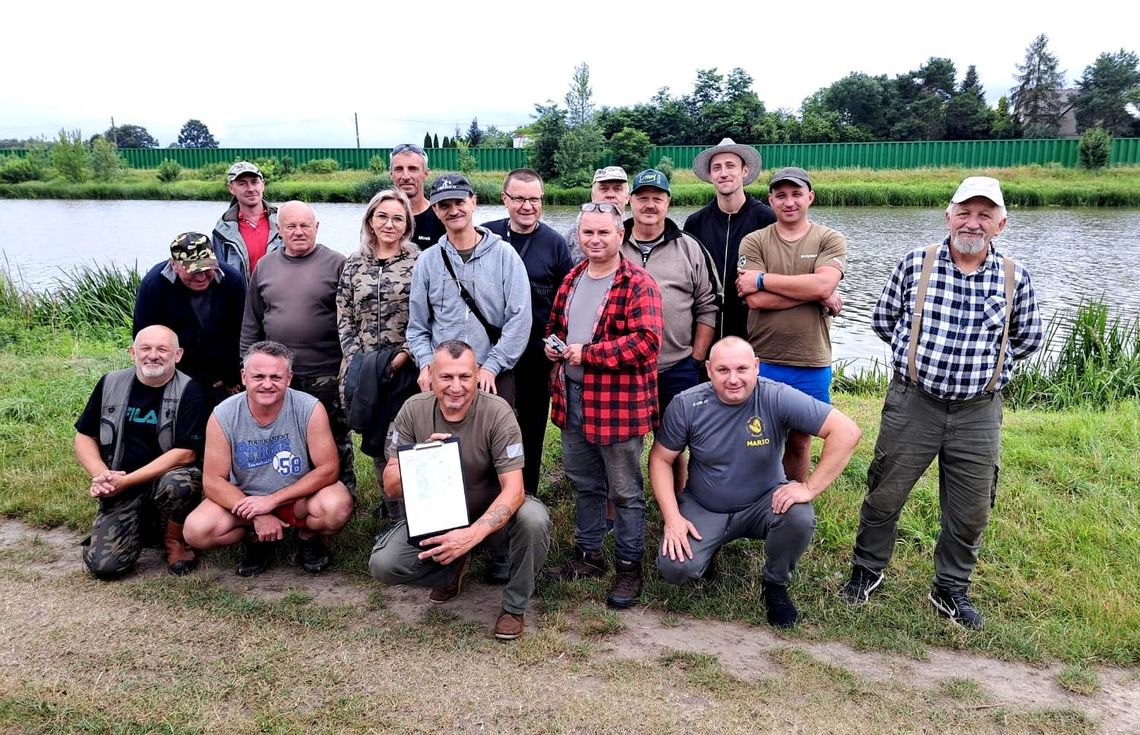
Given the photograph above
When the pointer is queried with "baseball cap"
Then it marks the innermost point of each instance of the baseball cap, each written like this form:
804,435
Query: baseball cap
979,186
194,251
794,174
610,173
651,177
450,186
243,167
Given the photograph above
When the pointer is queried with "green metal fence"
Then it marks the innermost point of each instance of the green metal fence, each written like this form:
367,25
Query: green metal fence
882,155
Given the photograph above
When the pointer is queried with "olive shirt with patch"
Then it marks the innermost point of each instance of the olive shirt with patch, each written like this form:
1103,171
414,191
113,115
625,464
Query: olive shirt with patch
140,427
801,335
490,442
736,452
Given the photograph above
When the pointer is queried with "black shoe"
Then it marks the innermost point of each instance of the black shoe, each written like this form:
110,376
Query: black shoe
627,585
312,554
499,569
258,556
781,612
862,583
956,605
582,564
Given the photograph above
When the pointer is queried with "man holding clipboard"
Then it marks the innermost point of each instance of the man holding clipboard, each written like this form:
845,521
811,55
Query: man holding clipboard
490,460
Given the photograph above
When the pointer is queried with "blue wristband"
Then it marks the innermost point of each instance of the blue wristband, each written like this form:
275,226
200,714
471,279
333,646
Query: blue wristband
760,281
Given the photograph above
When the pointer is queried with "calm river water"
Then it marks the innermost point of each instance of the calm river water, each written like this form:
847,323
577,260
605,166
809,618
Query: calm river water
1072,254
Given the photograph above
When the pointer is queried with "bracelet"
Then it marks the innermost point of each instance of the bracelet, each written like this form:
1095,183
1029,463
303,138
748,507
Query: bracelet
760,281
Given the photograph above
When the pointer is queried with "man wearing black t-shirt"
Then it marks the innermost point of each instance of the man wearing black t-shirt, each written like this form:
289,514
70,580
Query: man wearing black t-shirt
409,170
139,436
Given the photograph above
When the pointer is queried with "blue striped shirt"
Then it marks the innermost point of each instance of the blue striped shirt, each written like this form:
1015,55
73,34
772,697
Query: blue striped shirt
961,323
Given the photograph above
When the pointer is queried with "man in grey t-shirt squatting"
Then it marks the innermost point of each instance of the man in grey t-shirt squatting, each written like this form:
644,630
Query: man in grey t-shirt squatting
735,427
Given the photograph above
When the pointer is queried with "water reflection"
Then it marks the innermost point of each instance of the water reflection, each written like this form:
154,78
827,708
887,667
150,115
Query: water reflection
1072,254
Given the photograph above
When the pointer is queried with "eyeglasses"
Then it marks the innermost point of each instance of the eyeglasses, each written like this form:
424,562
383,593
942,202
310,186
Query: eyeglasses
382,219
603,207
532,201
408,147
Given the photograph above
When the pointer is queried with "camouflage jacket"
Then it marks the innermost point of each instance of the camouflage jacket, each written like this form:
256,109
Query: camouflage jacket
365,285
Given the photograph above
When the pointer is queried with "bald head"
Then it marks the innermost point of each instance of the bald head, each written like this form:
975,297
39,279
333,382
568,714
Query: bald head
298,225
155,352
732,370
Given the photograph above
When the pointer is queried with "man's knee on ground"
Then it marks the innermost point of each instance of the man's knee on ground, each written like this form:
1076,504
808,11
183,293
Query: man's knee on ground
383,566
107,566
676,572
797,522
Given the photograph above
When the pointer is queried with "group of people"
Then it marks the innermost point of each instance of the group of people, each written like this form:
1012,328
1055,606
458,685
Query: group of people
258,350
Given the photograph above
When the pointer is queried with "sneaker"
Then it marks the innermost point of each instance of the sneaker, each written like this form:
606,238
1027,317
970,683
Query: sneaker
781,612
313,555
499,569
258,556
509,626
449,591
862,583
627,585
582,564
956,605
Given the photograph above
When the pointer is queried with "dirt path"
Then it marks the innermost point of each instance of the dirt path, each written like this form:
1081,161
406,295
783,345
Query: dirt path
740,649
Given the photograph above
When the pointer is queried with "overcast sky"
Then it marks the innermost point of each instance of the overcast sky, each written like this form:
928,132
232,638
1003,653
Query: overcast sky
293,74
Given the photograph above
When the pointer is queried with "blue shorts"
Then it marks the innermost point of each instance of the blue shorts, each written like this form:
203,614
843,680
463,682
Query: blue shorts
815,381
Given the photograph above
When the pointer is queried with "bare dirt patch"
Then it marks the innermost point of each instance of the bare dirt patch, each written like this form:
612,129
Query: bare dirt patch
744,652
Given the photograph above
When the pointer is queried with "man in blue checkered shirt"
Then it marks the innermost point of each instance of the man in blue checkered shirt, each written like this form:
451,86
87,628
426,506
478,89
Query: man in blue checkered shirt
977,317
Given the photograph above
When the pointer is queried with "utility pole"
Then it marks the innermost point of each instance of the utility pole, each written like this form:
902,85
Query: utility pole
356,122
114,133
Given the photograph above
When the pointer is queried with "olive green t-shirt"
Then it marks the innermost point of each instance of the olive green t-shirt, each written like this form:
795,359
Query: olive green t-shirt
490,442
801,335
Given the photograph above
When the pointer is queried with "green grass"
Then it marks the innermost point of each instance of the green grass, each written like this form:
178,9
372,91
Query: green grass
1023,186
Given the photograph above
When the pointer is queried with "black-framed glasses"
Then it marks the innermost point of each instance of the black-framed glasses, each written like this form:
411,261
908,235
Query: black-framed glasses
403,147
532,201
603,207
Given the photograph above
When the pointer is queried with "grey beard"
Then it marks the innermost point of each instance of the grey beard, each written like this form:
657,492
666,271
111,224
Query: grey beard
970,246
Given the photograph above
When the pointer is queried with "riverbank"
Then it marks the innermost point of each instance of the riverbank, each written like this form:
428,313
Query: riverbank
1025,186
1057,572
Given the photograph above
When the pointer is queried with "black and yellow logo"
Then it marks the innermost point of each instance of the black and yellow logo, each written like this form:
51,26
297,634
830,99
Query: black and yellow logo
755,427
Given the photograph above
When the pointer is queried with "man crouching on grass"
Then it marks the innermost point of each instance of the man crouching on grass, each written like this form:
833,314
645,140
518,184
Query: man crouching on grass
271,464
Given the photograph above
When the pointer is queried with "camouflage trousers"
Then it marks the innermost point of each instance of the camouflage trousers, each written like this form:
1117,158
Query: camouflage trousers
326,389
126,521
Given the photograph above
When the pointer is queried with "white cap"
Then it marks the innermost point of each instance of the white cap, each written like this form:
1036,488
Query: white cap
979,186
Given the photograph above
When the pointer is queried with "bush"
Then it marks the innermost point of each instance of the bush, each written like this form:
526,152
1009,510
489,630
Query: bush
169,171
368,188
665,166
630,148
213,171
321,166
377,165
17,168
269,167
106,163
70,157
467,163
1095,147
287,165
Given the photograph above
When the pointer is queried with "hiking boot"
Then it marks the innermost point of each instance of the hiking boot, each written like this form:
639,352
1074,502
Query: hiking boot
781,612
582,564
450,590
956,605
258,556
627,584
862,583
499,569
313,555
180,558
509,626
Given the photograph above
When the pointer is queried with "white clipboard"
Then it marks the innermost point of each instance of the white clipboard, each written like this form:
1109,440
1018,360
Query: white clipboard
435,500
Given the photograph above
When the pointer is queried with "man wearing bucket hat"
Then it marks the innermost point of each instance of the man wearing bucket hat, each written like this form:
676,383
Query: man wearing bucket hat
611,184
788,276
248,229
202,300
957,315
722,223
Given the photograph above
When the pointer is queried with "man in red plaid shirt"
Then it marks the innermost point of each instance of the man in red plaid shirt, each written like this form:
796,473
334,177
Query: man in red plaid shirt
607,321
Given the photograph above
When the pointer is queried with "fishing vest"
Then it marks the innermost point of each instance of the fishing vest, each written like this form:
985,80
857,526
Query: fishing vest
113,412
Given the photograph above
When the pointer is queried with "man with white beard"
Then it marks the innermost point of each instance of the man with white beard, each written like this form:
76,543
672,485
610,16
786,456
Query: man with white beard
976,316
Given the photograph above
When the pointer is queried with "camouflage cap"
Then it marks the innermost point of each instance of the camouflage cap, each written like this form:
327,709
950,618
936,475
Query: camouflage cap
193,250
243,167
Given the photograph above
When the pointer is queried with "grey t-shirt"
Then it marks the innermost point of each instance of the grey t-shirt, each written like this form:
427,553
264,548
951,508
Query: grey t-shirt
582,314
735,452
264,459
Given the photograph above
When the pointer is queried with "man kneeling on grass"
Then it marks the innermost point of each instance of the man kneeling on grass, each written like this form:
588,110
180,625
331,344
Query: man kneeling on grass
271,463
491,458
735,427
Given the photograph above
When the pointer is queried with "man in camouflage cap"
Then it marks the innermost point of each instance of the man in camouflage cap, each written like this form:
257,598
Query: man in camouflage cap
139,437
202,300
